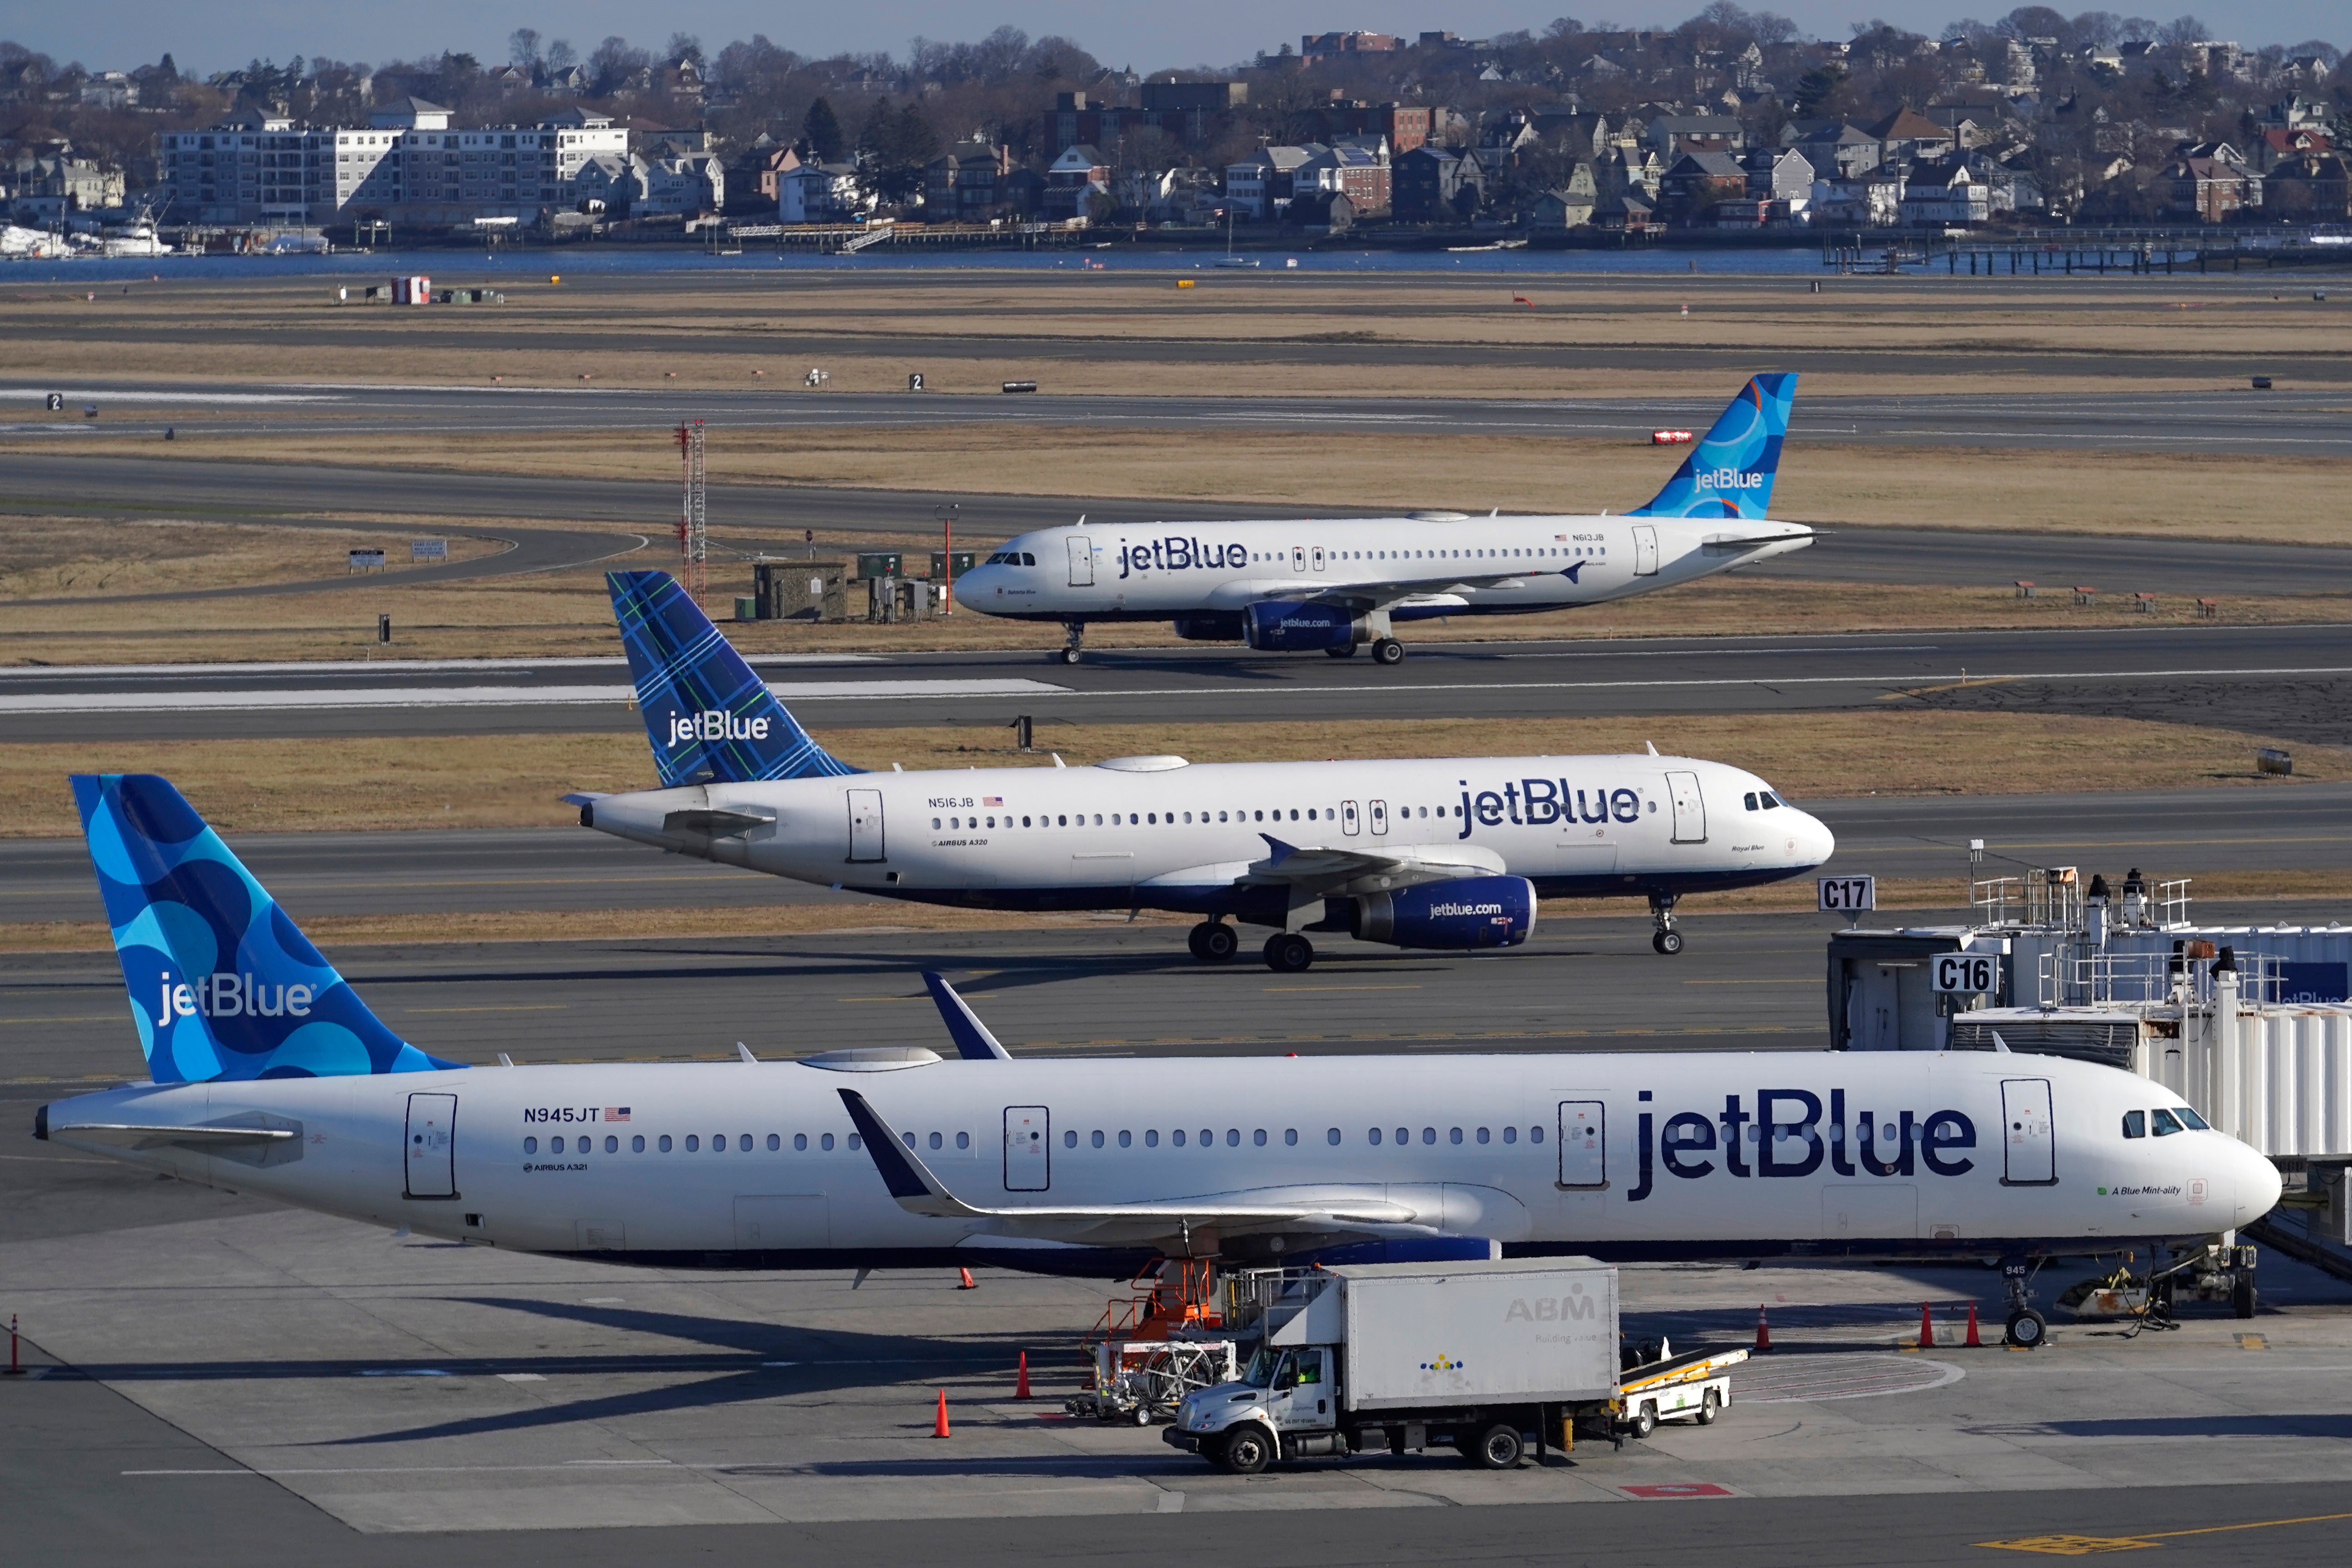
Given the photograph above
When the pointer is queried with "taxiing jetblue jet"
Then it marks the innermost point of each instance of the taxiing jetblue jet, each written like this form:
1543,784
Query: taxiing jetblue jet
269,1075
1449,853
1340,583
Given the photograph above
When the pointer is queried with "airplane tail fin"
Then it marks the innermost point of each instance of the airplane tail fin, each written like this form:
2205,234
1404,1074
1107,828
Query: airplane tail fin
1730,473
709,719
222,987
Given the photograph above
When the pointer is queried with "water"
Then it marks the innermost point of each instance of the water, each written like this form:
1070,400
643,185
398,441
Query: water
471,269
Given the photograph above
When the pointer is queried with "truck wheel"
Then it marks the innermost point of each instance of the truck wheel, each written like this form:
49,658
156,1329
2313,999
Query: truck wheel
1709,1408
1247,1450
1644,1420
1498,1449
2028,1330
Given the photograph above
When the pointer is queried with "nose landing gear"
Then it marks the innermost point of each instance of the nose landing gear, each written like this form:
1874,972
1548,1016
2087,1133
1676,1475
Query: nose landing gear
1072,644
1664,939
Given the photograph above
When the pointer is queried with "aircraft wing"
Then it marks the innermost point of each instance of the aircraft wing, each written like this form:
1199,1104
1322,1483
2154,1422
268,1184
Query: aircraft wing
1322,867
1363,595
919,1191
129,1135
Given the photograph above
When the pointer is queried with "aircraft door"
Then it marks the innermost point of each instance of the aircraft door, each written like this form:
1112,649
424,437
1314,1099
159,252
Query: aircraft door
1082,561
1349,822
1298,558
2028,1150
432,1147
1645,551
1583,1143
1690,808
866,825
1379,817
1028,1148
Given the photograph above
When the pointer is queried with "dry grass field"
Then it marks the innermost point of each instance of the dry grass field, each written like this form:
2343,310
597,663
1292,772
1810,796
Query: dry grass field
513,781
1230,335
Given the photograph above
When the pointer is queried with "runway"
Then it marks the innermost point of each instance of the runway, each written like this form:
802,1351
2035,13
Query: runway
2278,680
2285,423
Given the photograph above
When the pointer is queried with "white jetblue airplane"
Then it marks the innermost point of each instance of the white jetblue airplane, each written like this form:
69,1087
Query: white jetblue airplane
270,1076
1339,583
1450,853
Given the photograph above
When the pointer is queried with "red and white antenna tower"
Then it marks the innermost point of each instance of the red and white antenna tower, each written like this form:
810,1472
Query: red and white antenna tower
693,537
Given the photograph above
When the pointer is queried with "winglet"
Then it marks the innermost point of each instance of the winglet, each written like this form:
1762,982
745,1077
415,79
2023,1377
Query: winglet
916,1188
1281,851
972,1039
1999,1044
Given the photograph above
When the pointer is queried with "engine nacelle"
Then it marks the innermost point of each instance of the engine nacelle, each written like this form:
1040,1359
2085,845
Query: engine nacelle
1466,912
1295,627
1214,626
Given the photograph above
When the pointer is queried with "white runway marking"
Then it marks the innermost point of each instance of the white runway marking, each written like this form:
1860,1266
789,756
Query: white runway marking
388,666
481,697
111,394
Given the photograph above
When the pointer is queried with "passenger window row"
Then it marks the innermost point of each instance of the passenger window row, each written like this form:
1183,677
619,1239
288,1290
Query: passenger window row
1153,818
585,1143
744,1143
2179,1119
1259,1138
1564,552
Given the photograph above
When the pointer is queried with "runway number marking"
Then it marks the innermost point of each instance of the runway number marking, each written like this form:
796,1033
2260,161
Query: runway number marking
2091,1545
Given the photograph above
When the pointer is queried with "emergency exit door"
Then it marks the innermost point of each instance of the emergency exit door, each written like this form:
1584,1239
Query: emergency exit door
1028,1148
1082,561
1379,817
1583,1143
432,1145
2029,1155
1690,808
1349,822
865,825
1645,551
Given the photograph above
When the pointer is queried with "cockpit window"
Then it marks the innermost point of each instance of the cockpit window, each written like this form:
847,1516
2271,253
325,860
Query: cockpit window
1028,559
1771,801
2135,1124
2167,1123
2190,1119
1749,799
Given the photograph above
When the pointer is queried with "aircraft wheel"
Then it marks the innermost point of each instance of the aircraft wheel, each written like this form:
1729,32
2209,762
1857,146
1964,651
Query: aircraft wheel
1192,940
2242,1296
1345,651
1388,651
1219,941
2028,1330
1288,952
1058,657
1667,942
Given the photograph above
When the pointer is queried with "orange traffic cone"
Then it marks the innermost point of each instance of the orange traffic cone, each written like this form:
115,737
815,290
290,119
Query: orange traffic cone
1927,1328
1973,1343
939,1427
966,1275
1021,1383
1763,1330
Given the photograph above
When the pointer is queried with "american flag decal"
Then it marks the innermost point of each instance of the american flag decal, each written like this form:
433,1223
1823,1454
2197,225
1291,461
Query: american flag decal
992,800
616,1113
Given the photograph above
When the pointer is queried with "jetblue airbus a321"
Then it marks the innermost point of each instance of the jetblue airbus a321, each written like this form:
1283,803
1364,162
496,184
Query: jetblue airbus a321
1342,583
1450,853
270,1076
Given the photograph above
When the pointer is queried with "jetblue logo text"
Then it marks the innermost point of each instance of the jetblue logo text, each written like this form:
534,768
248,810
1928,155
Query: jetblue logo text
1787,1136
1533,802
1726,479
232,995
714,725
1179,555
1440,911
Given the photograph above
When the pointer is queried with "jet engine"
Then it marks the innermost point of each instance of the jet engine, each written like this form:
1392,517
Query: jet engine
1298,627
1466,912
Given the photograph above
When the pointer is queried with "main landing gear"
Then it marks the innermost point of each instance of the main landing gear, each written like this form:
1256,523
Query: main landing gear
1288,952
1387,651
1213,942
1344,651
1072,644
1664,938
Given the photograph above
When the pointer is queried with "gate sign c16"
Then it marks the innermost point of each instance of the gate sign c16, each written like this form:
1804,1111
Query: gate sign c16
1849,894
1968,974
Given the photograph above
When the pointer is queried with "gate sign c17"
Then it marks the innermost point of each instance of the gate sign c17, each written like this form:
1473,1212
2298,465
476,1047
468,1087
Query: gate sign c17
1967,974
1849,894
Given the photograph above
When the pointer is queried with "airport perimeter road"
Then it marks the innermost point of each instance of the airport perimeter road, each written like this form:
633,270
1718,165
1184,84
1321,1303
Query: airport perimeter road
2288,681
2186,833
2298,424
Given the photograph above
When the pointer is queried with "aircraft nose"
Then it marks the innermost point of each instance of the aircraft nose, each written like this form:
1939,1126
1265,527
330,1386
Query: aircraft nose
1816,844
2255,1187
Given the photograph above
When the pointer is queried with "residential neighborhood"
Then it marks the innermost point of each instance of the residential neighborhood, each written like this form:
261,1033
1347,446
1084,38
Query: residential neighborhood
1730,121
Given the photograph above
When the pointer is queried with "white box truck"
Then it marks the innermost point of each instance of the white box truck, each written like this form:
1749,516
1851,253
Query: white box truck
1396,1357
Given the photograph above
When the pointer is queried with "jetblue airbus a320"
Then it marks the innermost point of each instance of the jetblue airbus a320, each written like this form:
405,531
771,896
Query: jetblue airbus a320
1340,583
1449,853
270,1076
